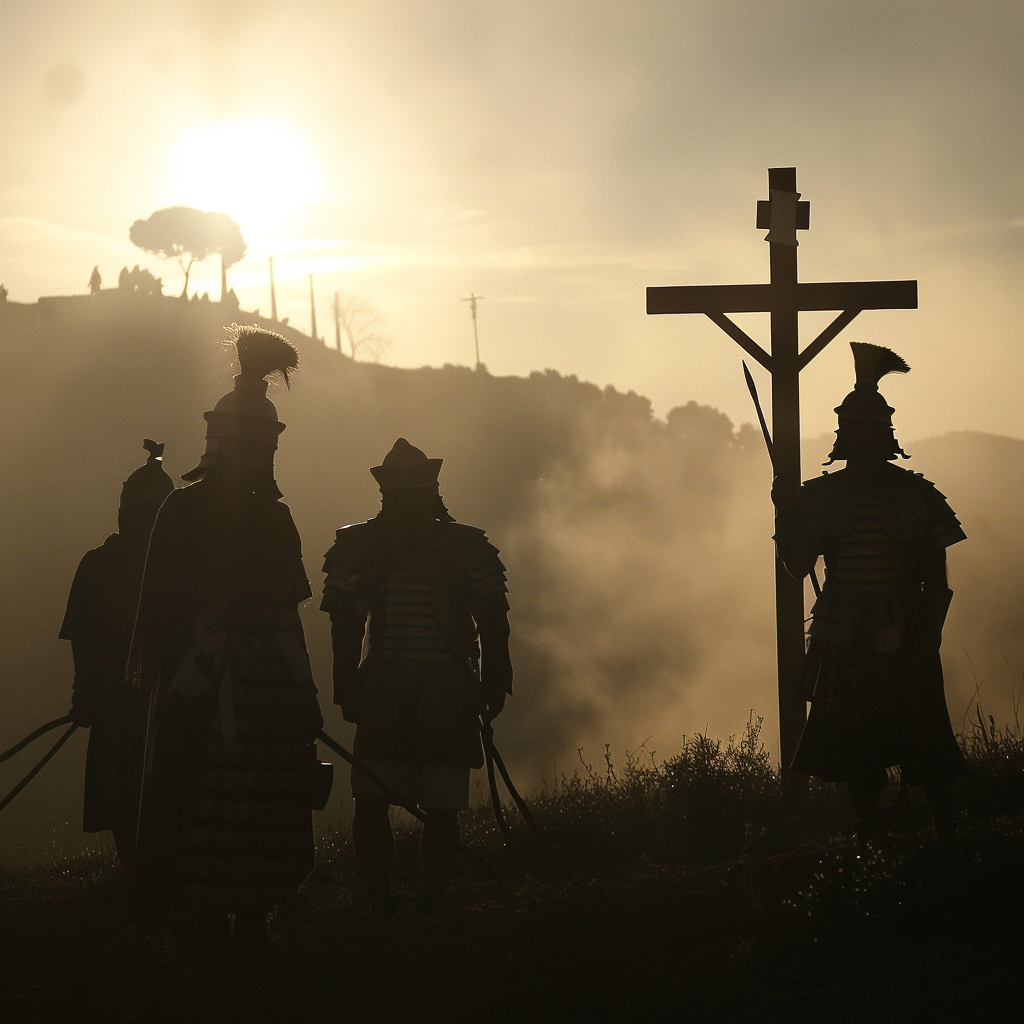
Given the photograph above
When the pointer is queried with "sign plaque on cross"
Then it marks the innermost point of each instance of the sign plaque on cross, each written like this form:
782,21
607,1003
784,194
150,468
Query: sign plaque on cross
784,298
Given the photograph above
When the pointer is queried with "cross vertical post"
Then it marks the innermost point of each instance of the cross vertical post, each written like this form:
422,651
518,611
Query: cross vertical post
785,341
784,298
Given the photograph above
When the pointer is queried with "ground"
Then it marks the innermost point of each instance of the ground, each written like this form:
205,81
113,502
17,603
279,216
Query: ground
825,931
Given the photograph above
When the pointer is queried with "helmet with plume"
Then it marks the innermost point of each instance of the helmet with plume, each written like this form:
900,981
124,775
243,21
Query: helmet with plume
245,412
149,484
865,402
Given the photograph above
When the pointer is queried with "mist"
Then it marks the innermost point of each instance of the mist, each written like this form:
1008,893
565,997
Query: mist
638,548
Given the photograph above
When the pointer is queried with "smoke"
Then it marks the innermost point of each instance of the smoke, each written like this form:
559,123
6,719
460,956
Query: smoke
638,580
638,549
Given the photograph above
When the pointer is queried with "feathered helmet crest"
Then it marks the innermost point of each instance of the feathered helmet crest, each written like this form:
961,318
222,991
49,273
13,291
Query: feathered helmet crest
245,411
149,483
865,402
871,363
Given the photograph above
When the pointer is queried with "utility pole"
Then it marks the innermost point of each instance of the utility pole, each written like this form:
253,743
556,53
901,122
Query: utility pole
312,309
783,214
273,294
473,300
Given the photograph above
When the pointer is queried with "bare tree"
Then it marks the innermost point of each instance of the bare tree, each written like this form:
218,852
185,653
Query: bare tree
363,325
181,231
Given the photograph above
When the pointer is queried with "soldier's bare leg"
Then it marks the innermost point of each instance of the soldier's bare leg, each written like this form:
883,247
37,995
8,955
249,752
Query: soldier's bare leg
438,857
375,850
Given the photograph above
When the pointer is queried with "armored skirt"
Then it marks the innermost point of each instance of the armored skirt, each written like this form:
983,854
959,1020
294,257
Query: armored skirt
871,710
225,811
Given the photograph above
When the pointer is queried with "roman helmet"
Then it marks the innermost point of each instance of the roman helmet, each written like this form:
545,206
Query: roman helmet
408,480
149,484
245,412
865,402
404,467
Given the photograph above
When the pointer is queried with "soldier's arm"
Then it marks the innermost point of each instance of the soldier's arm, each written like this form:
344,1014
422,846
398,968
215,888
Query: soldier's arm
346,604
936,595
495,660
78,628
797,546
347,629
944,531
489,606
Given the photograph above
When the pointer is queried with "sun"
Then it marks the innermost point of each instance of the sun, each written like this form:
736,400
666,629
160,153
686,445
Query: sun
260,172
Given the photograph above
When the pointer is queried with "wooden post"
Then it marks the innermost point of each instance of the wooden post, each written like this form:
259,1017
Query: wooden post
473,300
784,298
312,310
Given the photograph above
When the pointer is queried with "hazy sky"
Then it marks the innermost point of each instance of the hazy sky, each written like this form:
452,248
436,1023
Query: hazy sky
555,158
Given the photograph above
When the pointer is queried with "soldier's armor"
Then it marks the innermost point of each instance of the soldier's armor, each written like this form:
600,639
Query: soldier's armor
422,606
425,592
868,532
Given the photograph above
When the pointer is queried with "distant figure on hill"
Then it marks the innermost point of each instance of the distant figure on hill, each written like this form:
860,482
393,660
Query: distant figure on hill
873,673
3,293
434,591
139,282
99,621
219,653
95,281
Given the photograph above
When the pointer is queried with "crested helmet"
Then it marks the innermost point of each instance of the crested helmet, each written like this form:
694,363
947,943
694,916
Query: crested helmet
865,402
246,412
150,483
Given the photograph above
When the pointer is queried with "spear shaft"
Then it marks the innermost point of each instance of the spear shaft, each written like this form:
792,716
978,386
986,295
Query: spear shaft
752,388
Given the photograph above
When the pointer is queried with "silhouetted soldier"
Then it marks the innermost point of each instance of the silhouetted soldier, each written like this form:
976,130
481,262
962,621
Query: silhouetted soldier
434,591
99,621
872,672
95,281
219,651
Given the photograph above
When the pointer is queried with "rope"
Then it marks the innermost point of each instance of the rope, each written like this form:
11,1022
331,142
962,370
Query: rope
38,768
32,737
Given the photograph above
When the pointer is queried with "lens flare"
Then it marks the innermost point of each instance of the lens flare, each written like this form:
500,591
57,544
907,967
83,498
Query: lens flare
263,173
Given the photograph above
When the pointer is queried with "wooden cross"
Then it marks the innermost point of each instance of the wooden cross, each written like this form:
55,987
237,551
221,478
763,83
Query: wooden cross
783,214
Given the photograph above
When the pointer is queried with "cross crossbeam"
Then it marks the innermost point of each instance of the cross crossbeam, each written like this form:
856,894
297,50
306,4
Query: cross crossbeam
784,297
763,298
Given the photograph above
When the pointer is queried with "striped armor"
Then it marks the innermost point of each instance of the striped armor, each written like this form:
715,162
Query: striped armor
424,607
869,534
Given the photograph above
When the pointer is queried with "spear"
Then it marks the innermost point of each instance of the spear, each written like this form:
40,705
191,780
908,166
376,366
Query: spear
752,388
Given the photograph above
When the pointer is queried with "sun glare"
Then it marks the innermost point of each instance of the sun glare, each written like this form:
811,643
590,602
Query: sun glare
260,172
